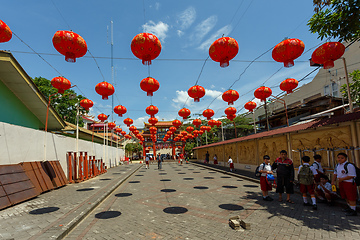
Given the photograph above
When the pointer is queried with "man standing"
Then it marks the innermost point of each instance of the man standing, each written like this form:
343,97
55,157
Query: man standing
207,157
285,175
159,160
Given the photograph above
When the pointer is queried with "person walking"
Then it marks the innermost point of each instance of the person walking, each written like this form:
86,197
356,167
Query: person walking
159,160
231,164
285,176
207,157
147,160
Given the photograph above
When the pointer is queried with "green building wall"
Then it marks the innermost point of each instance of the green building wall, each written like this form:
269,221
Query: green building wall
13,111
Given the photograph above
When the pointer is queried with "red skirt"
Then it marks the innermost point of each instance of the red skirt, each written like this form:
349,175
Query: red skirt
231,165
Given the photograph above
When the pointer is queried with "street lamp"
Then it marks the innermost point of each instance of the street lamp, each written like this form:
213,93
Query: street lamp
71,96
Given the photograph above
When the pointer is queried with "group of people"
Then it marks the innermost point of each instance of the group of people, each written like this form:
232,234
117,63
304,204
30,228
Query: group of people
312,180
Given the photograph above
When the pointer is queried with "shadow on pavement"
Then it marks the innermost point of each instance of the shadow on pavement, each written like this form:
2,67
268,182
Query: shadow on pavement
175,210
123,194
107,214
44,210
231,207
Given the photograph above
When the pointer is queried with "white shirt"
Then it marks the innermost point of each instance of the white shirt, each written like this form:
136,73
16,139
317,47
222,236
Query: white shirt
311,168
318,166
215,158
230,160
341,173
265,167
327,186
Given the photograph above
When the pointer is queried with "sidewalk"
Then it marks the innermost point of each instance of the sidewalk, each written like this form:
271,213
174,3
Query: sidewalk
53,214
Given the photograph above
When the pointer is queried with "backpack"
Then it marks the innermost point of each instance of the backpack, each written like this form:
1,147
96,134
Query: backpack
257,173
357,178
306,176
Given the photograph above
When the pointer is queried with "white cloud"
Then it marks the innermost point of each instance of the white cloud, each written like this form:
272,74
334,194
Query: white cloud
180,33
187,18
157,5
212,86
160,29
181,97
213,94
139,122
203,28
222,31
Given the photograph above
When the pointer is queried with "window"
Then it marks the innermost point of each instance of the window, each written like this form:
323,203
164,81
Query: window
327,90
334,87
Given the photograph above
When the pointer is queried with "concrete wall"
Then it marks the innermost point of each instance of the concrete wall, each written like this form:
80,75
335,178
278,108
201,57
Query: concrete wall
21,144
247,155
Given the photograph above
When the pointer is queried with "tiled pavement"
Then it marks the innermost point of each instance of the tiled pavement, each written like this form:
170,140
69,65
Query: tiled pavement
191,202
51,214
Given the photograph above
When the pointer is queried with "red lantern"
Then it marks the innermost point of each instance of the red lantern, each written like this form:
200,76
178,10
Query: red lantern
262,93
287,51
123,133
132,128
327,53
288,85
61,84
208,113
70,44
149,85
5,32
223,50
230,96
127,136
172,129
203,128
231,117
189,129
120,110
104,89
212,123
152,110
201,132
184,113
176,123
196,92
153,121
118,130
218,123
128,121
196,122
146,46
111,125
86,104
230,110
250,106
102,117
136,132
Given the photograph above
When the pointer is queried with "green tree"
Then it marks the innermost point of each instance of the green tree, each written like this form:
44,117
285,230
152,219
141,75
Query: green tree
65,106
132,148
336,19
354,87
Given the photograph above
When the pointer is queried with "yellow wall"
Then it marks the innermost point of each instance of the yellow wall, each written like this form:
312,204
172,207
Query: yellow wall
250,152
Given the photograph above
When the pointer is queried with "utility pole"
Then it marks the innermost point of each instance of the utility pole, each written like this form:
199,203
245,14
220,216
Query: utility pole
348,86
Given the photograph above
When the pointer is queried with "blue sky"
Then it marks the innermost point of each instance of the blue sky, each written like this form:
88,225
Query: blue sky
186,30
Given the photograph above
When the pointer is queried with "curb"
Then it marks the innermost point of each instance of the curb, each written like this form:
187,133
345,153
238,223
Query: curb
70,222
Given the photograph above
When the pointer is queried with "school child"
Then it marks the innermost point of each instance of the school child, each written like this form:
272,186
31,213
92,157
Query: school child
265,169
317,166
324,190
306,175
231,163
345,173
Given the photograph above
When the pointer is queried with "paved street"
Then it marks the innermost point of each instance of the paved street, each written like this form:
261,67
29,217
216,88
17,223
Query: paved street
191,202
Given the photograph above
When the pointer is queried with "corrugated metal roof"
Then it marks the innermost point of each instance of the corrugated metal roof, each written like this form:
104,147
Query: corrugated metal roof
293,128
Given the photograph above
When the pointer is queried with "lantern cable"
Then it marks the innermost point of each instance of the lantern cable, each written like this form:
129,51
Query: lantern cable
61,15
37,54
242,16
97,65
236,12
